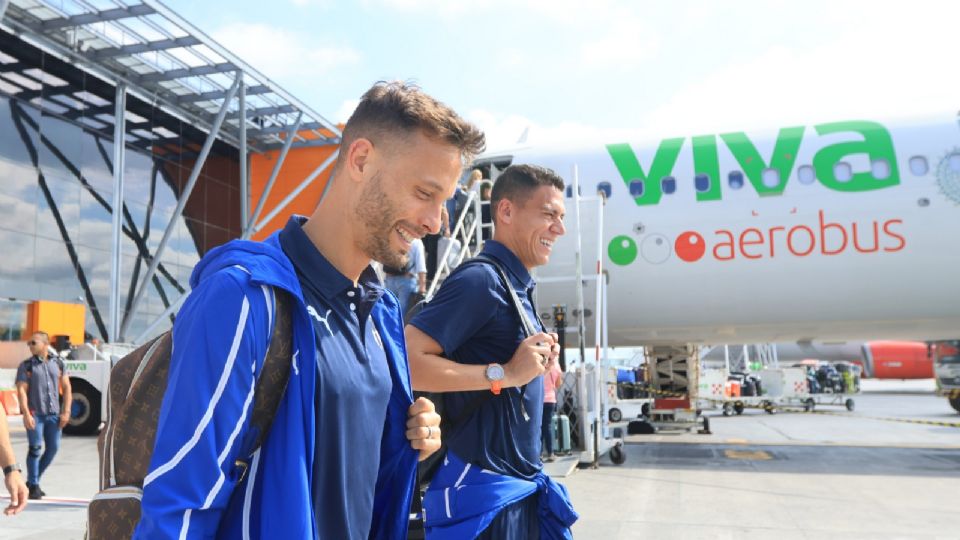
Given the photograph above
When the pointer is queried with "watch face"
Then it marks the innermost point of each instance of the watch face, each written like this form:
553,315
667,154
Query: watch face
495,372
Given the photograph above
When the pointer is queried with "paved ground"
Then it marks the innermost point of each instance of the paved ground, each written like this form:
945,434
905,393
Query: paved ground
785,476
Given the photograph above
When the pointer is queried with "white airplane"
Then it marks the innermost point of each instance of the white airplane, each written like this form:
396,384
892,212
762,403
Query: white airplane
842,230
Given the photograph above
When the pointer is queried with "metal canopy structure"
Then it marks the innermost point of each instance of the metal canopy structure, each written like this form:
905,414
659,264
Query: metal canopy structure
147,51
163,59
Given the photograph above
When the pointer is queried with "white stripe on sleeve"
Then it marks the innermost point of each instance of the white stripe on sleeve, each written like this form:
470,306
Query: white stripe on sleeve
208,415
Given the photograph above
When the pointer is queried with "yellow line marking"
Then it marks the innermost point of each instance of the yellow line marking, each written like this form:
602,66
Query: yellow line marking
752,455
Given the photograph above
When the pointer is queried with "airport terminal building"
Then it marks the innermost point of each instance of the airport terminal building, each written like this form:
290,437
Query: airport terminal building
204,138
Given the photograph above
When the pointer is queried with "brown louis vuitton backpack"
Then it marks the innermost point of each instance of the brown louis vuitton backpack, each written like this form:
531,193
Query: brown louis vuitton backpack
137,384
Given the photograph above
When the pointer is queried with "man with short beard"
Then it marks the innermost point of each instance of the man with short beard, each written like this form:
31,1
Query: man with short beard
340,457
472,343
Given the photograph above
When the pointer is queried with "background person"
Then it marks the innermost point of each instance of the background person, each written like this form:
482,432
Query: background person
552,380
40,379
410,282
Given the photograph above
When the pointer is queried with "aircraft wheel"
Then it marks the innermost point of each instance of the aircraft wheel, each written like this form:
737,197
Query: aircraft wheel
809,404
727,409
645,410
738,407
769,408
617,455
850,404
615,415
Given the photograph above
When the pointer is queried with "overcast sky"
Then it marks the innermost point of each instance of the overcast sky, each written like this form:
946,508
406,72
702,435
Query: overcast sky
605,69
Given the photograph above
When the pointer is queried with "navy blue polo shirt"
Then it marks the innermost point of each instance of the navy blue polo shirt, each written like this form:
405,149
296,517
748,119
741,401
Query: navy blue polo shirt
353,387
472,317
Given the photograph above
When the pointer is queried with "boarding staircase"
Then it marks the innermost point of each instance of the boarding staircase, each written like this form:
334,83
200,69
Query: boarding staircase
465,239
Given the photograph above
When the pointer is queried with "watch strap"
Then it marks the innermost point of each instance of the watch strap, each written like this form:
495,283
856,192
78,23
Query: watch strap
10,468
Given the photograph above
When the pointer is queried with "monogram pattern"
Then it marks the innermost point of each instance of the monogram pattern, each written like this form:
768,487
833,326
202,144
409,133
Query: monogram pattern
132,425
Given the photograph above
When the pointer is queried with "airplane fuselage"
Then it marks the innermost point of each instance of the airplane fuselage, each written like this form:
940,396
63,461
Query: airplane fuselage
842,230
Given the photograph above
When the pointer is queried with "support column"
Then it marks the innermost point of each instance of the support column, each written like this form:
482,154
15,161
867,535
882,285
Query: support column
244,177
181,204
248,226
119,153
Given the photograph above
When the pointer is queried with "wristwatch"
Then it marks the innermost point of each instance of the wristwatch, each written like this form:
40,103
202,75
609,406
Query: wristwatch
494,374
10,468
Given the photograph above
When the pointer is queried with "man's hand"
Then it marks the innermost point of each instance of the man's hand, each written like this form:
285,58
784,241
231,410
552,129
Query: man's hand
554,352
423,427
529,359
28,421
18,493
64,419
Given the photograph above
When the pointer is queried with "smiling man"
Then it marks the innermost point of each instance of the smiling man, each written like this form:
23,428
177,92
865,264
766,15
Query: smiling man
340,457
469,342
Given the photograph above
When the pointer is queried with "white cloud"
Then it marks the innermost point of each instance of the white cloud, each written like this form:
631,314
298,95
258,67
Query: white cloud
505,130
280,53
345,110
622,45
853,75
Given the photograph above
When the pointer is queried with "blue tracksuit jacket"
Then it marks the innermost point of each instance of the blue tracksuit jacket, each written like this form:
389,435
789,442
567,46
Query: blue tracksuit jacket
220,339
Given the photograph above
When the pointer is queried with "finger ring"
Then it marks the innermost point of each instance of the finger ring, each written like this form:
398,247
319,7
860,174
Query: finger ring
429,432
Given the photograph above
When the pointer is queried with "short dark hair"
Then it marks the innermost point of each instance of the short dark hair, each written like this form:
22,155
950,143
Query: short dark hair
517,182
392,107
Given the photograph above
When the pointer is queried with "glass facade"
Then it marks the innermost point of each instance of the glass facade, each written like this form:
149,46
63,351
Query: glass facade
56,184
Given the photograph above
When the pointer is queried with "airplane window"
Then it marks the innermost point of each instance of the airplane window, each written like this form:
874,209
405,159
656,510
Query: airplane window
842,171
954,163
735,179
668,184
919,166
702,182
880,169
806,175
636,188
606,188
771,177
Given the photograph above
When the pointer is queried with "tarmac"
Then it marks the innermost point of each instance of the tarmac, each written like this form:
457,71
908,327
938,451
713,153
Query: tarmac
784,476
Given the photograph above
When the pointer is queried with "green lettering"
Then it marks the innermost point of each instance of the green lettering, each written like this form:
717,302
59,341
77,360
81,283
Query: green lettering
876,143
630,170
705,161
783,158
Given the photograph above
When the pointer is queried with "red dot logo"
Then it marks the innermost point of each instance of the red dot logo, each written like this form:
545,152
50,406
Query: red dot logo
690,246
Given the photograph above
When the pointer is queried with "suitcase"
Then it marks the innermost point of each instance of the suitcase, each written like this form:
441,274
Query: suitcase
561,434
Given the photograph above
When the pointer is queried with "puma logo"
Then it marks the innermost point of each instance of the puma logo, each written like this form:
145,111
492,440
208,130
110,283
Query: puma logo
313,313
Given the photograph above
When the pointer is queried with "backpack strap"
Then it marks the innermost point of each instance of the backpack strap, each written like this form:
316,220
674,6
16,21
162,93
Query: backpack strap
528,330
272,382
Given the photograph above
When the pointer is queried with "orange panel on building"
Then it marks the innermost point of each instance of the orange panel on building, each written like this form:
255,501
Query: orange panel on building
56,319
300,162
